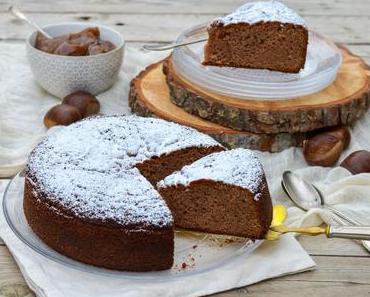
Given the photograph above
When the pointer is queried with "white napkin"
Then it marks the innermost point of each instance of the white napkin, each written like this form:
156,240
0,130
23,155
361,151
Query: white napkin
343,191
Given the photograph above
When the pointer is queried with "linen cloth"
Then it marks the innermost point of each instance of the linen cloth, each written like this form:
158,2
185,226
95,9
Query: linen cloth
22,106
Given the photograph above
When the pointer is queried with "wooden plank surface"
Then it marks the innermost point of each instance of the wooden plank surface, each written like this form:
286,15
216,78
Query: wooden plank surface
343,265
166,27
12,283
312,7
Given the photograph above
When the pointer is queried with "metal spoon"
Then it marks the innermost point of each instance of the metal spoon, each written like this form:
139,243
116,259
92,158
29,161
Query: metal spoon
305,196
22,16
161,47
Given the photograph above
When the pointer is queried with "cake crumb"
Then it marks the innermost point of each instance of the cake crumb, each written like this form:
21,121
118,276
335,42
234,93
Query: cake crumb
257,197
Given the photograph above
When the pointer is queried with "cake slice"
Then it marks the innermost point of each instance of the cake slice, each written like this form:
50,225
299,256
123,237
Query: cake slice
260,35
222,193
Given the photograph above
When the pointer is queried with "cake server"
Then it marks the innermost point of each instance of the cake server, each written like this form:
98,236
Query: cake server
20,15
172,45
305,196
278,228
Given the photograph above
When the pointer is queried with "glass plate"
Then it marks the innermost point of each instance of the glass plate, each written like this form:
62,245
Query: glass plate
322,63
194,252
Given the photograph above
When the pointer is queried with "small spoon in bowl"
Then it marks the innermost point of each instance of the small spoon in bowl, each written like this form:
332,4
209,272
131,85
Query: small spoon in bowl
306,196
23,17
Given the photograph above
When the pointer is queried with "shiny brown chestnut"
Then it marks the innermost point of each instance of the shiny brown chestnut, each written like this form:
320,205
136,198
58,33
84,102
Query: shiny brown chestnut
62,114
322,149
85,102
357,162
342,133
101,48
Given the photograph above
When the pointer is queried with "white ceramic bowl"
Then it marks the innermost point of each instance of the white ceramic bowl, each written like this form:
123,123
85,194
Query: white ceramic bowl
62,75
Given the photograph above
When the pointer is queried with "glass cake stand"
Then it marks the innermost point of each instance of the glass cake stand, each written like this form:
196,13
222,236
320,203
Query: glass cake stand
322,63
194,252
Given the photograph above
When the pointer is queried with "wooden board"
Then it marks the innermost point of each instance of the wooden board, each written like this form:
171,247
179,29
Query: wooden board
341,103
149,96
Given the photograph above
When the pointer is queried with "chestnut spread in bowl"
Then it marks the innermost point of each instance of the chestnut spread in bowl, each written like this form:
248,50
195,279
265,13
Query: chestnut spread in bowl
84,43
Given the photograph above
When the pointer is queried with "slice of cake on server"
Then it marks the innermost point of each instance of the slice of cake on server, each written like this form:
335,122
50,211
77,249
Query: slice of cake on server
224,193
260,35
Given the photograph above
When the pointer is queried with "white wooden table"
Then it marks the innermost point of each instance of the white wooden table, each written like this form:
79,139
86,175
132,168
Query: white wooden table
343,266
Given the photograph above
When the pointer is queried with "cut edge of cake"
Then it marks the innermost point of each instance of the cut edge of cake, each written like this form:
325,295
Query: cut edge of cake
258,35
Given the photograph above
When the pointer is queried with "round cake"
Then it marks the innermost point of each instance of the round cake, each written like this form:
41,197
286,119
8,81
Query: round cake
89,193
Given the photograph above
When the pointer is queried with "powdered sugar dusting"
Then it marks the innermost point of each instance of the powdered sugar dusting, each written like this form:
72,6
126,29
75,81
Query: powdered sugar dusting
126,197
239,167
88,167
262,11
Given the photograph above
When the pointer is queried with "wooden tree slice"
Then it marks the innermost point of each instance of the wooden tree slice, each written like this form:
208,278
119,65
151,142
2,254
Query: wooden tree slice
149,96
341,103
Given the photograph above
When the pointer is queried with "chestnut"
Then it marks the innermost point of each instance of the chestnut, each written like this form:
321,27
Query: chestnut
62,114
322,149
86,103
100,48
357,162
342,133
68,49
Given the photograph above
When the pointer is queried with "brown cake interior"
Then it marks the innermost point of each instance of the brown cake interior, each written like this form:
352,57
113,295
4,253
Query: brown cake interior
157,168
265,45
215,207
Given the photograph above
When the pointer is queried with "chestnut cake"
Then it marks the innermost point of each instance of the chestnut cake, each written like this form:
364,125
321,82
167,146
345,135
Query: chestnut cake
224,192
90,191
260,35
